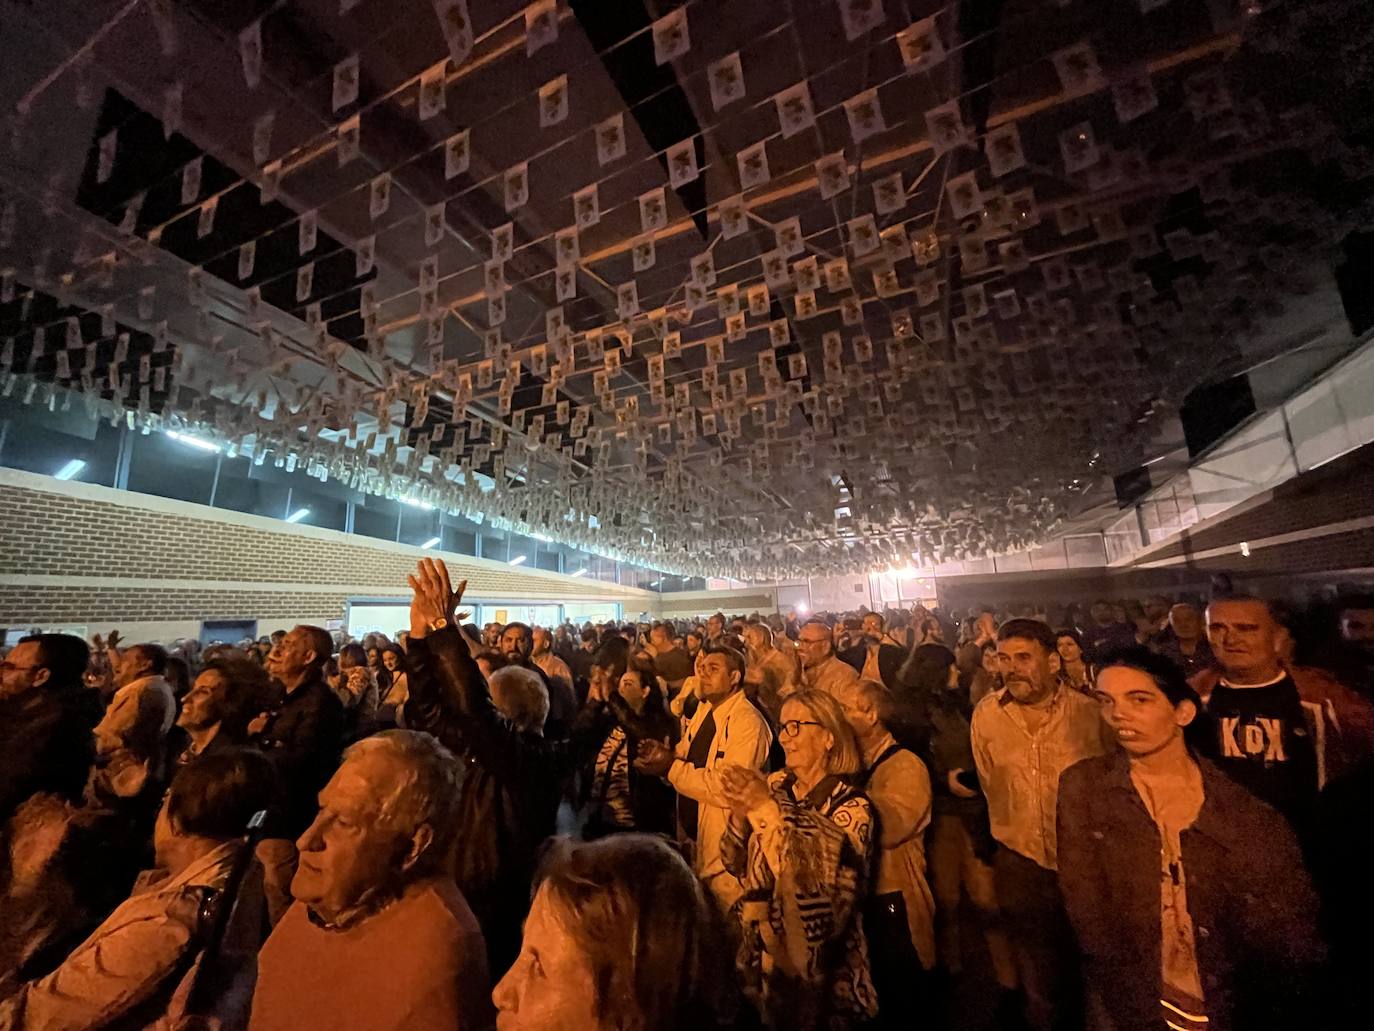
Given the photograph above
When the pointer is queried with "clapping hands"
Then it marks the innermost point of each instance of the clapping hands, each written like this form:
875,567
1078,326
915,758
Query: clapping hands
654,758
743,788
435,598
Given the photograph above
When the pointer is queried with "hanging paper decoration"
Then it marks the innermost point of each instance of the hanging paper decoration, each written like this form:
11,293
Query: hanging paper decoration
920,45
726,79
456,27
1133,95
517,186
682,163
1078,146
364,256
610,139
345,82
1077,68
541,26
671,39
863,235
457,151
643,253
553,102
832,175
567,246
433,96
965,198
248,253
627,299
250,54
503,242
653,210
889,195
795,110
307,231
350,139
753,166
190,180
379,196
205,224
860,16
1003,148
788,235
734,220
865,115
946,128
586,207
434,224
565,282
305,279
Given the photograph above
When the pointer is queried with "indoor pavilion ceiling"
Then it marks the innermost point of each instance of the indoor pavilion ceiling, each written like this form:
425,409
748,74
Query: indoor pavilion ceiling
726,287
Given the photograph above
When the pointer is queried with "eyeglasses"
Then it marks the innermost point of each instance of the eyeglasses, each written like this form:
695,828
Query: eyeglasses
793,727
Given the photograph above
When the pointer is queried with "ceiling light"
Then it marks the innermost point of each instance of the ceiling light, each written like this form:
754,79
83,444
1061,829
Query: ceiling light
803,608
70,469
580,572
190,441
298,515
517,560
430,543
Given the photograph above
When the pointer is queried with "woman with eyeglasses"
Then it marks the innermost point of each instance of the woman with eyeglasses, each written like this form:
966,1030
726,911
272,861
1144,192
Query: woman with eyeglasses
801,844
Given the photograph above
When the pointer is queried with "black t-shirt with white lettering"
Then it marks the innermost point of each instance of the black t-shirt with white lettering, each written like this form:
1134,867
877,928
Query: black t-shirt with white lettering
1260,739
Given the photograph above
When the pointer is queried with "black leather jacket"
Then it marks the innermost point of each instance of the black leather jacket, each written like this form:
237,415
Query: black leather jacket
513,781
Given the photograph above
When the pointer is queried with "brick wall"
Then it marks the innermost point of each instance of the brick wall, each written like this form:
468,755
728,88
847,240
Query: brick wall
73,553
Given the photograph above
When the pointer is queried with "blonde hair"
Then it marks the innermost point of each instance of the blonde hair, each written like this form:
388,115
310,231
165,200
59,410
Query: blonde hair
642,919
843,757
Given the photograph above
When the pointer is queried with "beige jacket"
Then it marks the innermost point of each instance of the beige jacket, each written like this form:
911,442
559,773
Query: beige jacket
128,959
899,788
743,739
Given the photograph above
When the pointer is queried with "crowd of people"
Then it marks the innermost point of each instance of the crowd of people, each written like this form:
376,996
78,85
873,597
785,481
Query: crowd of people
1149,815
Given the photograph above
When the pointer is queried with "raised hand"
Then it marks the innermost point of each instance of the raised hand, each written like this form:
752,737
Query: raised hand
434,598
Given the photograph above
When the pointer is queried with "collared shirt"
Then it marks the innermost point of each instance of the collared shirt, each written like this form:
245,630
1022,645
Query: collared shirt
742,739
128,957
834,676
870,670
1019,768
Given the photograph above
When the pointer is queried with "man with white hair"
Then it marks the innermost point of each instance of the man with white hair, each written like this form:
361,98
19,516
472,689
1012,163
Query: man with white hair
822,668
520,696
379,937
